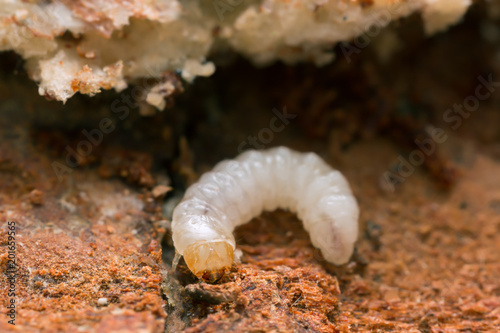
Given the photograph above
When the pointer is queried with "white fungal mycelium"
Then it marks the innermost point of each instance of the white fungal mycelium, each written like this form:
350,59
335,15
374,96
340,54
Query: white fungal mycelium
237,190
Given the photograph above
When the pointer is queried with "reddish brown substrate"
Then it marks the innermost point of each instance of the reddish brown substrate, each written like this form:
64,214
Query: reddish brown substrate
428,256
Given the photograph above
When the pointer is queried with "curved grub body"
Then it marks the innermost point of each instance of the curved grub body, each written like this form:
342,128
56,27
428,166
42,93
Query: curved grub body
237,190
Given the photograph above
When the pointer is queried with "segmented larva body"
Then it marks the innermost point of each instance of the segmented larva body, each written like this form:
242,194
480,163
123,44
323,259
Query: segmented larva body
237,190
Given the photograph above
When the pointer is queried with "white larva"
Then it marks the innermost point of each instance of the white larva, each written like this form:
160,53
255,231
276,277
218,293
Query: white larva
237,190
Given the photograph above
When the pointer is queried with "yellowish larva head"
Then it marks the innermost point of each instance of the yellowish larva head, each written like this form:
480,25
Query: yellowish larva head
209,261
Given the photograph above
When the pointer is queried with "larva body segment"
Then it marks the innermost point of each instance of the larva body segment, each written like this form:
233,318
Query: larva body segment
237,190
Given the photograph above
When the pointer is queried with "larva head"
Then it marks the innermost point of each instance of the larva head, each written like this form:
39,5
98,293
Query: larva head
209,261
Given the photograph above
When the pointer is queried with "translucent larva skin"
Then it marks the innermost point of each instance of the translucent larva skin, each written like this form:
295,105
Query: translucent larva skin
237,190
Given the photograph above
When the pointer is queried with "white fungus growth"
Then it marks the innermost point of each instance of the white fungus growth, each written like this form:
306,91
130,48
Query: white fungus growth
120,42
237,190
